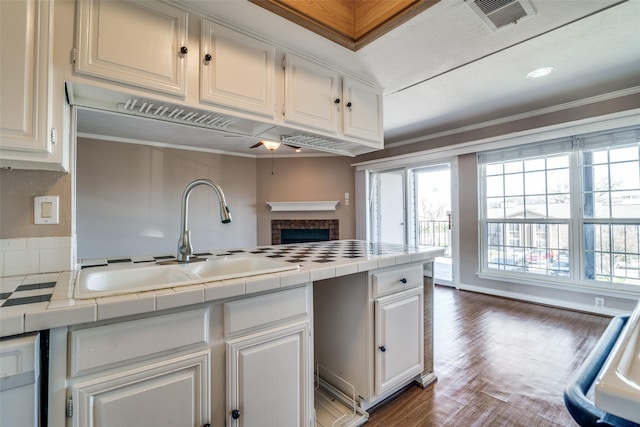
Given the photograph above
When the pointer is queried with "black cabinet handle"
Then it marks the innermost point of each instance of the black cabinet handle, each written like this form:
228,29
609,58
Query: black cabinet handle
349,104
184,50
207,57
235,414
336,101
403,280
207,425
382,348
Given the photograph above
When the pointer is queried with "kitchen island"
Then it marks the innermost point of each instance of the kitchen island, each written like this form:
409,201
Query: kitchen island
222,343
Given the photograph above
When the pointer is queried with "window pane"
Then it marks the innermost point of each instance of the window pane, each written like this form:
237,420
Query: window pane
623,154
625,176
534,164
514,185
529,248
558,181
512,167
600,157
614,254
514,207
534,183
600,178
557,162
493,169
625,204
494,186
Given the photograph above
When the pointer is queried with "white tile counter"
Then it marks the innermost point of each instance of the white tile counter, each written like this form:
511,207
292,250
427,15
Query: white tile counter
44,301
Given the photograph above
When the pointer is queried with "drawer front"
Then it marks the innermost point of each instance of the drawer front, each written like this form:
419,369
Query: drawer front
396,279
104,346
245,314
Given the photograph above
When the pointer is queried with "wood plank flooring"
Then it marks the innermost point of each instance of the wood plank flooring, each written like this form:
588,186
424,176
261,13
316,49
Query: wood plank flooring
499,362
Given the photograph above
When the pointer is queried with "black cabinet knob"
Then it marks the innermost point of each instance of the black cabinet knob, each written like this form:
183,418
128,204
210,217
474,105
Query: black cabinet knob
207,57
403,280
235,414
337,101
382,348
184,50
349,104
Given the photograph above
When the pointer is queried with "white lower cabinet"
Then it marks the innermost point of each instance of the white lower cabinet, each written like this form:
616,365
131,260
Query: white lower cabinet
171,392
268,378
143,372
399,338
369,332
269,350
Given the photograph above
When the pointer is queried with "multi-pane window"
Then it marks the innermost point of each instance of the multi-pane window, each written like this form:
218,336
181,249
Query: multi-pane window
565,208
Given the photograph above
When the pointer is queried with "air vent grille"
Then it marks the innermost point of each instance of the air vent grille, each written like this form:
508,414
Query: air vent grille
337,147
489,6
500,13
175,113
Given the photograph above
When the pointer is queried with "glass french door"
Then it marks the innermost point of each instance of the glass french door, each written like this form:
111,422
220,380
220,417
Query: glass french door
388,207
414,206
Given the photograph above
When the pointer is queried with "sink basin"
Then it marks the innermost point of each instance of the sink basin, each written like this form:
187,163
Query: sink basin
617,388
231,267
101,281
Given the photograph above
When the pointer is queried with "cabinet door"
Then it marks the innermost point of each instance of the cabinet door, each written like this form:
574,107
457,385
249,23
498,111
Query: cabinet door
25,55
236,71
362,116
398,338
133,42
174,392
269,378
311,91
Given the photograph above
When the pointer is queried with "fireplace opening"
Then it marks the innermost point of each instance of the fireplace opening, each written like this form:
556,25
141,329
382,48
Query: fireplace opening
292,235
285,231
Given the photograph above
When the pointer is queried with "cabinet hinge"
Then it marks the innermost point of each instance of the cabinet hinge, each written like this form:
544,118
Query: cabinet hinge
74,55
69,407
284,61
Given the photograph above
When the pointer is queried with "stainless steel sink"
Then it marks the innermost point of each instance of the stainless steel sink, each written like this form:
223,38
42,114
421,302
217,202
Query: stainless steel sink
103,281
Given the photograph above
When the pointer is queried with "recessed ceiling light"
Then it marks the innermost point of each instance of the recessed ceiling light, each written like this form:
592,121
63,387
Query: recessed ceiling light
540,72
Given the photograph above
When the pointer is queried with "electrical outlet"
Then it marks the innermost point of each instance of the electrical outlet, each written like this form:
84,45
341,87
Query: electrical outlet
599,302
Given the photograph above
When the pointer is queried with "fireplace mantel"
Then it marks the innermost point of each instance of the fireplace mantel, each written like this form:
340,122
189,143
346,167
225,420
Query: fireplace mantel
303,206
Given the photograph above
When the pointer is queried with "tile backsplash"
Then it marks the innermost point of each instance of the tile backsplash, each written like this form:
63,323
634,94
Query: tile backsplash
34,255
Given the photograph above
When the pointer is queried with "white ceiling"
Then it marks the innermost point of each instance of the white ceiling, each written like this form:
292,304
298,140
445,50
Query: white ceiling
445,69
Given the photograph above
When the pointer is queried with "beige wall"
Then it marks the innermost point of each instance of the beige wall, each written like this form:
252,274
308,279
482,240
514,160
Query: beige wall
17,190
305,179
129,198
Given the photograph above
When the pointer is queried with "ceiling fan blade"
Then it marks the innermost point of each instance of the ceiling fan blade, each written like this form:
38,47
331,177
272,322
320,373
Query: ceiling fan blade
293,146
256,145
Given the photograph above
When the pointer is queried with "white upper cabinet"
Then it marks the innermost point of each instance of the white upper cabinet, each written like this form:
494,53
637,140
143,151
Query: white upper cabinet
362,106
141,43
319,97
29,137
311,94
236,71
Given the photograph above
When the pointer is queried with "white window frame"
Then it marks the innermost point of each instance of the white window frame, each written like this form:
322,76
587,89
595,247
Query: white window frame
576,224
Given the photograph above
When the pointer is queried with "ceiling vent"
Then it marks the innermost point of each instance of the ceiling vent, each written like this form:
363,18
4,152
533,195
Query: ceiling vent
500,13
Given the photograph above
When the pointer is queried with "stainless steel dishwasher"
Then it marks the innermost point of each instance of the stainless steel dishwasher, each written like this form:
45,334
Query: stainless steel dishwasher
20,381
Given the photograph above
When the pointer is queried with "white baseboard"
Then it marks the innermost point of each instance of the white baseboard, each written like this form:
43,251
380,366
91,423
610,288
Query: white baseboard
542,300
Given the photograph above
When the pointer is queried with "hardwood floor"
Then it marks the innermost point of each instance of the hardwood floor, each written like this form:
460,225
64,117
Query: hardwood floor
499,362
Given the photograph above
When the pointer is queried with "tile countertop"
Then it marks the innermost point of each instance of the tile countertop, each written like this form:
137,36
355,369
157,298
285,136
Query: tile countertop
44,301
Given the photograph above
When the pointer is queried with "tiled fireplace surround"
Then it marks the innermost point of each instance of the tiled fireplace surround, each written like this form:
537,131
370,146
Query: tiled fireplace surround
277,225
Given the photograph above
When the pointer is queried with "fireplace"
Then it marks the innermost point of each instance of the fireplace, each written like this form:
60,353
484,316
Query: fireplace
303,230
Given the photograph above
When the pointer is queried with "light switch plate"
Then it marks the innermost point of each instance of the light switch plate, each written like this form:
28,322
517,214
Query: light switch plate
46,210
